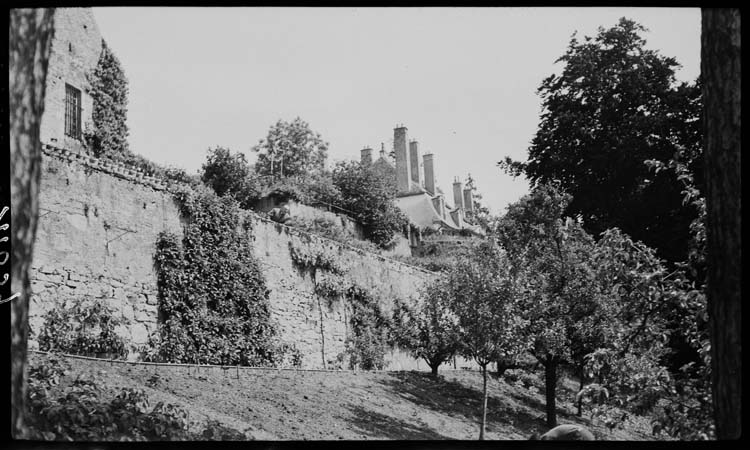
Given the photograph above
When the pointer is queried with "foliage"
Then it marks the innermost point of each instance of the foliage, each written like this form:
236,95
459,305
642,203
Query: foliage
82,326
315,188
569,313
328,228
229,174
650,299
80,412
291,148
371,331
370,200
430,331
109,91
483,293
314,257
614,106
213,297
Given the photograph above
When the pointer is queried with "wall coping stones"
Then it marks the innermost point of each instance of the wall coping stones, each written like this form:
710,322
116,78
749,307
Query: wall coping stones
135,175
117,169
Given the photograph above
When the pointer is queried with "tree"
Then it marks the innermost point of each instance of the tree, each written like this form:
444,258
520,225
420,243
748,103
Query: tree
370,201
229,174
615,105
291,148
29,43
561,296
483,294
721,71
429,330
109,90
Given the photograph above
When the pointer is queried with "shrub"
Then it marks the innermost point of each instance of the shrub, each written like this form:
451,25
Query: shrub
370,199
82,326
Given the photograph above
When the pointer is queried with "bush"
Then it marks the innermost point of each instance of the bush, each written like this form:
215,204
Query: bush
370,199
230,174
82,326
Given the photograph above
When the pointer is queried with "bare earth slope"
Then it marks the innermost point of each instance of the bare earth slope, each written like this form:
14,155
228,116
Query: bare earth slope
308,405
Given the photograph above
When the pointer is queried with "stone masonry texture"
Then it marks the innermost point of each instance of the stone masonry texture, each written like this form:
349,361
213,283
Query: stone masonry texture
76,47
97,232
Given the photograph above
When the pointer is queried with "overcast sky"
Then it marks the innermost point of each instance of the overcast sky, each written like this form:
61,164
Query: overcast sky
462,80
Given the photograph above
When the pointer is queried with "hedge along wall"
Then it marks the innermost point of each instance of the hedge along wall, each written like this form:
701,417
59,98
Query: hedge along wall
97,229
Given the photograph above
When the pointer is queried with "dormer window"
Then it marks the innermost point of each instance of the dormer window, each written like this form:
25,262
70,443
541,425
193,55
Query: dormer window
72,112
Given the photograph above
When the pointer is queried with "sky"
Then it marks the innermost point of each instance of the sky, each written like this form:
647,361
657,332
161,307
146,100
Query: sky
462,80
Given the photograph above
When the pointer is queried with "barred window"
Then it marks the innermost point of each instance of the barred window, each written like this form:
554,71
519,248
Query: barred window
72,112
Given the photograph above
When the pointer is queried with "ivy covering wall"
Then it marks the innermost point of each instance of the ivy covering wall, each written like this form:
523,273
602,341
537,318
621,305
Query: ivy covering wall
213,300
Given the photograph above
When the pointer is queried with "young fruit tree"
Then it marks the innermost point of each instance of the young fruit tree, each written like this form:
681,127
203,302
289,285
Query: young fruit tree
562,301
483,293
429,330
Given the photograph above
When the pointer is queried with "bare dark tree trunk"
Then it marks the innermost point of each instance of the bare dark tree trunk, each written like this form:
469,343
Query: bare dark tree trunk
550,386
29,46
721,76
434,368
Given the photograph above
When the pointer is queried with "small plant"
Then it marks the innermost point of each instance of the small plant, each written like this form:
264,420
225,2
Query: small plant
83,326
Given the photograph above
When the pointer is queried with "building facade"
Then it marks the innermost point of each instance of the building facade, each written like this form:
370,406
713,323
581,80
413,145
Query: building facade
75,52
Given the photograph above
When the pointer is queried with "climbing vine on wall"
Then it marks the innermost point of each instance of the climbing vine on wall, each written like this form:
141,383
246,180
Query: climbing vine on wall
108,135
213,301
370,336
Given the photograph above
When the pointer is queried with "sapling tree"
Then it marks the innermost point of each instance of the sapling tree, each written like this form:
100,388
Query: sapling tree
429,330
483,292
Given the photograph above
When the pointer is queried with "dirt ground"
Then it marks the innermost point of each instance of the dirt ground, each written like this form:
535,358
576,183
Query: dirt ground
304,405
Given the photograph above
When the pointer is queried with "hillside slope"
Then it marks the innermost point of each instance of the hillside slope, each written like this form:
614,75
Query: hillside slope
275,404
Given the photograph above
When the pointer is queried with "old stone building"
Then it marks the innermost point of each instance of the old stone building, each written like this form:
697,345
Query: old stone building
418,196
76,47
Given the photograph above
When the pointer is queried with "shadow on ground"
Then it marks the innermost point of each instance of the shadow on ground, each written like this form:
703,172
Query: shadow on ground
452,398
381,426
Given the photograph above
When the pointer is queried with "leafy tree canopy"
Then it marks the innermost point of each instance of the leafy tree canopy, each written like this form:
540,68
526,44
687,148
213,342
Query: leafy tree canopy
291,148
229,174
615,105
370,200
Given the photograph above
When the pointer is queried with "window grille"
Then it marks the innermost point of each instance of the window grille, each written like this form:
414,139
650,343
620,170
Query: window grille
72,112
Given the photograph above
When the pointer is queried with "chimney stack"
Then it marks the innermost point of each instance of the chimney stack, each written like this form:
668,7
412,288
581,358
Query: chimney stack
429,174
416,174
403,169
382,150
458,197
366,156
